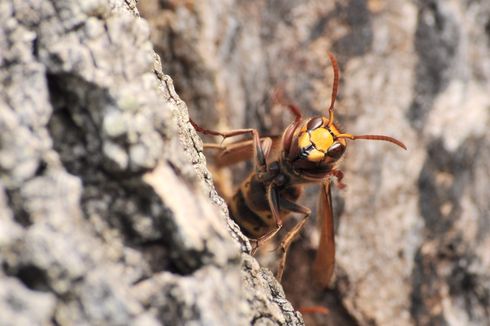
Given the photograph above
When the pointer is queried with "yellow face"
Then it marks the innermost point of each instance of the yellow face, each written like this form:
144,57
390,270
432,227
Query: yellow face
318,142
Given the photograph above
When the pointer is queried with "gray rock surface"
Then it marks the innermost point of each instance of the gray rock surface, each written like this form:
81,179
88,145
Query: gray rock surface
105,210
413,235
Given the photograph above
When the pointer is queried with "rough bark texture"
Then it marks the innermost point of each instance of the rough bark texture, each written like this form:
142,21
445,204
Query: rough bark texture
413,236
105,216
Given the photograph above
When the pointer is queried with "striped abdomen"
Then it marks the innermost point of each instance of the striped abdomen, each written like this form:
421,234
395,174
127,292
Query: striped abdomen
250,209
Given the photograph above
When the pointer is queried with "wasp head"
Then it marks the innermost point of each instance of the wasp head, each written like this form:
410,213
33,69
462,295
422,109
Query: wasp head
318,141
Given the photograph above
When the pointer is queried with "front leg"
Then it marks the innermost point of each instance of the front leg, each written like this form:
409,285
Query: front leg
291,235
261,149
339,175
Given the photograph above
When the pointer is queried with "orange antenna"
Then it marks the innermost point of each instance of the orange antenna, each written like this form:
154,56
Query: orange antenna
374,137
336,76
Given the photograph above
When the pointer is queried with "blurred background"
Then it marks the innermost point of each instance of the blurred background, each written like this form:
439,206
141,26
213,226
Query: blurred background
413,243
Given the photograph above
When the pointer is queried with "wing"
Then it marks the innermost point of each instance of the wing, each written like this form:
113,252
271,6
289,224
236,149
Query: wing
325,256
242,150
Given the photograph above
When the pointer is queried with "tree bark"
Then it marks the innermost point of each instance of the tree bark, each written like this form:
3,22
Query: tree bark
108,215
412,234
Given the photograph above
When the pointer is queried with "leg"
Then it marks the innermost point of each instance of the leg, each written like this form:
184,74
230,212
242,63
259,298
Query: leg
291,235
339,175
232,153
260,155
313,310
273,199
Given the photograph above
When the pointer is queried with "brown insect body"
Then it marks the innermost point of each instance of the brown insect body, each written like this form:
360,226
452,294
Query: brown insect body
306,153
250,208
288,171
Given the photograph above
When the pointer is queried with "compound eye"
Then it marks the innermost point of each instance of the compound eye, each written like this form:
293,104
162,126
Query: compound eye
336,150
314,123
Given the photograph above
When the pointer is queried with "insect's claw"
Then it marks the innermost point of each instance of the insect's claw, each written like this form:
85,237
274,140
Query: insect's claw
255,247
340,185
339,175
